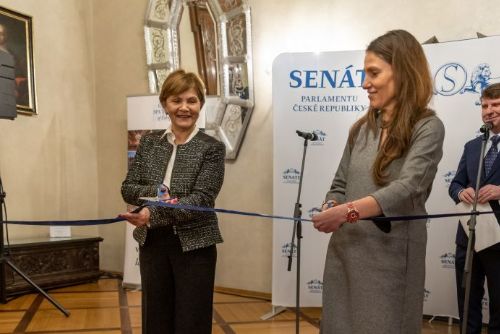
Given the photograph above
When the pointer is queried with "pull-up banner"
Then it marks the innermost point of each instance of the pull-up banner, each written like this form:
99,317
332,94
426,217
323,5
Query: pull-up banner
144,114
322,93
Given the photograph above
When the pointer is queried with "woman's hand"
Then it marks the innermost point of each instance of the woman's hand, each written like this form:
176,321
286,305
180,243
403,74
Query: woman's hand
138,219
330,220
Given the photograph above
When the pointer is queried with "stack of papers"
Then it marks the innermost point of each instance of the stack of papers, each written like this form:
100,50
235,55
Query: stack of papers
487,227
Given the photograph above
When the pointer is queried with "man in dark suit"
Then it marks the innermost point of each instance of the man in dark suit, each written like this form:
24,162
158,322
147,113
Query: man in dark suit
486,263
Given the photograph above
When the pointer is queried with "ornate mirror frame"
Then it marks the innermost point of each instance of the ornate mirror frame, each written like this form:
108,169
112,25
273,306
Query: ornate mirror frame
228,114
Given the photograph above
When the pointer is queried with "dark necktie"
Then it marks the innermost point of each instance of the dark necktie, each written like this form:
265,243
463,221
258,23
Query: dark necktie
490,157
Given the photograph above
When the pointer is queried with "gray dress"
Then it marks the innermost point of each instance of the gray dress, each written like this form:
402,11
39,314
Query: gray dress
374,281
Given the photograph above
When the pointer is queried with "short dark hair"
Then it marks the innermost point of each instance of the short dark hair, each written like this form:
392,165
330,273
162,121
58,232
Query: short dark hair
491,92
180,81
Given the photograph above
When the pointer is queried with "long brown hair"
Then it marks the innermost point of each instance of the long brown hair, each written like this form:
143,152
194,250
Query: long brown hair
413,86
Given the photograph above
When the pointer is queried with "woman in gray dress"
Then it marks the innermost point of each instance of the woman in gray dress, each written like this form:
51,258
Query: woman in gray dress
374,275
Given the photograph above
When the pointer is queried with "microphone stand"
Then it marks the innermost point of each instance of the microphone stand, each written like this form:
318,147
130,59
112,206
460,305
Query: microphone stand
5,261
297,229
466,281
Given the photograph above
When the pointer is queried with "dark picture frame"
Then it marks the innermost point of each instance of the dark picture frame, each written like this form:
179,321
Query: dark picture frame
16,38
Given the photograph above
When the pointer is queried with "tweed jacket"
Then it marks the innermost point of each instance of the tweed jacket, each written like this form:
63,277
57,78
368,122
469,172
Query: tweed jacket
197,177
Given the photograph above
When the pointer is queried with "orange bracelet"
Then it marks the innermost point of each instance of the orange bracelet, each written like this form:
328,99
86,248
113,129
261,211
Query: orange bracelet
352,214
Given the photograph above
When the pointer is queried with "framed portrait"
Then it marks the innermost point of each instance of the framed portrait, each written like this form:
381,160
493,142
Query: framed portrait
16,38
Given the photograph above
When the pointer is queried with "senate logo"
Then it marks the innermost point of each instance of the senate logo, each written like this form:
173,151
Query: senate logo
285,250
450,79
448,177
427,295
479,79
448,260
291,175
315,286
453,78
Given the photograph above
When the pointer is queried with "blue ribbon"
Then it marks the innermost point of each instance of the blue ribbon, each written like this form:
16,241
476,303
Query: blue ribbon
374,219
232,212
440,215
89,222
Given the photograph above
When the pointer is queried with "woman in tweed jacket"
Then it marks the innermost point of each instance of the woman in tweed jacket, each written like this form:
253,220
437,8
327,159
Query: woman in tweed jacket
177,247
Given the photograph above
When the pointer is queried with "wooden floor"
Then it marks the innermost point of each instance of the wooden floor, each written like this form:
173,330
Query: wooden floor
105,307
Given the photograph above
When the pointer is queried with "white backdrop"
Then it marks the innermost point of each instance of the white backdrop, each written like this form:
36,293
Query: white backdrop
143,113
322,92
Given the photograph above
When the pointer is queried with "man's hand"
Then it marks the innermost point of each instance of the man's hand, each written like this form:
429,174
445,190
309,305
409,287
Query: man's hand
487,193
467,195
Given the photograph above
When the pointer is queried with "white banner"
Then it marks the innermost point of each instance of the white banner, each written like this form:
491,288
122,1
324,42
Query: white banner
322,92
460,71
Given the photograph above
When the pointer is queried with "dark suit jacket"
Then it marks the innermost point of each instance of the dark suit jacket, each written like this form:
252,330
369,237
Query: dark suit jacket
466,177
197,177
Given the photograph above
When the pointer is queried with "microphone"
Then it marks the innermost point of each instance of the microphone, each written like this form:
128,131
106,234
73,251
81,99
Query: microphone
486,127
307,135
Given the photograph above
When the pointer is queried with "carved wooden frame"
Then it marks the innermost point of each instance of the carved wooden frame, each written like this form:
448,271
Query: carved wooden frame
229,114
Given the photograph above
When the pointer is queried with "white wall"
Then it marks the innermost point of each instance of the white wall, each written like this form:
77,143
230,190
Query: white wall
48,162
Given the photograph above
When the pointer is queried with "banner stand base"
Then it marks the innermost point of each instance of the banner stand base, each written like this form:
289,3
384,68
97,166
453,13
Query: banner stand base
132,286
274,312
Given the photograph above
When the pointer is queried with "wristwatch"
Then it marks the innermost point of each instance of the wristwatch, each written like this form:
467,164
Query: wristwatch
352,214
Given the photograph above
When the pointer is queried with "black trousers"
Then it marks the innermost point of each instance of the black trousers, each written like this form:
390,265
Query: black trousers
485,263
177,286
